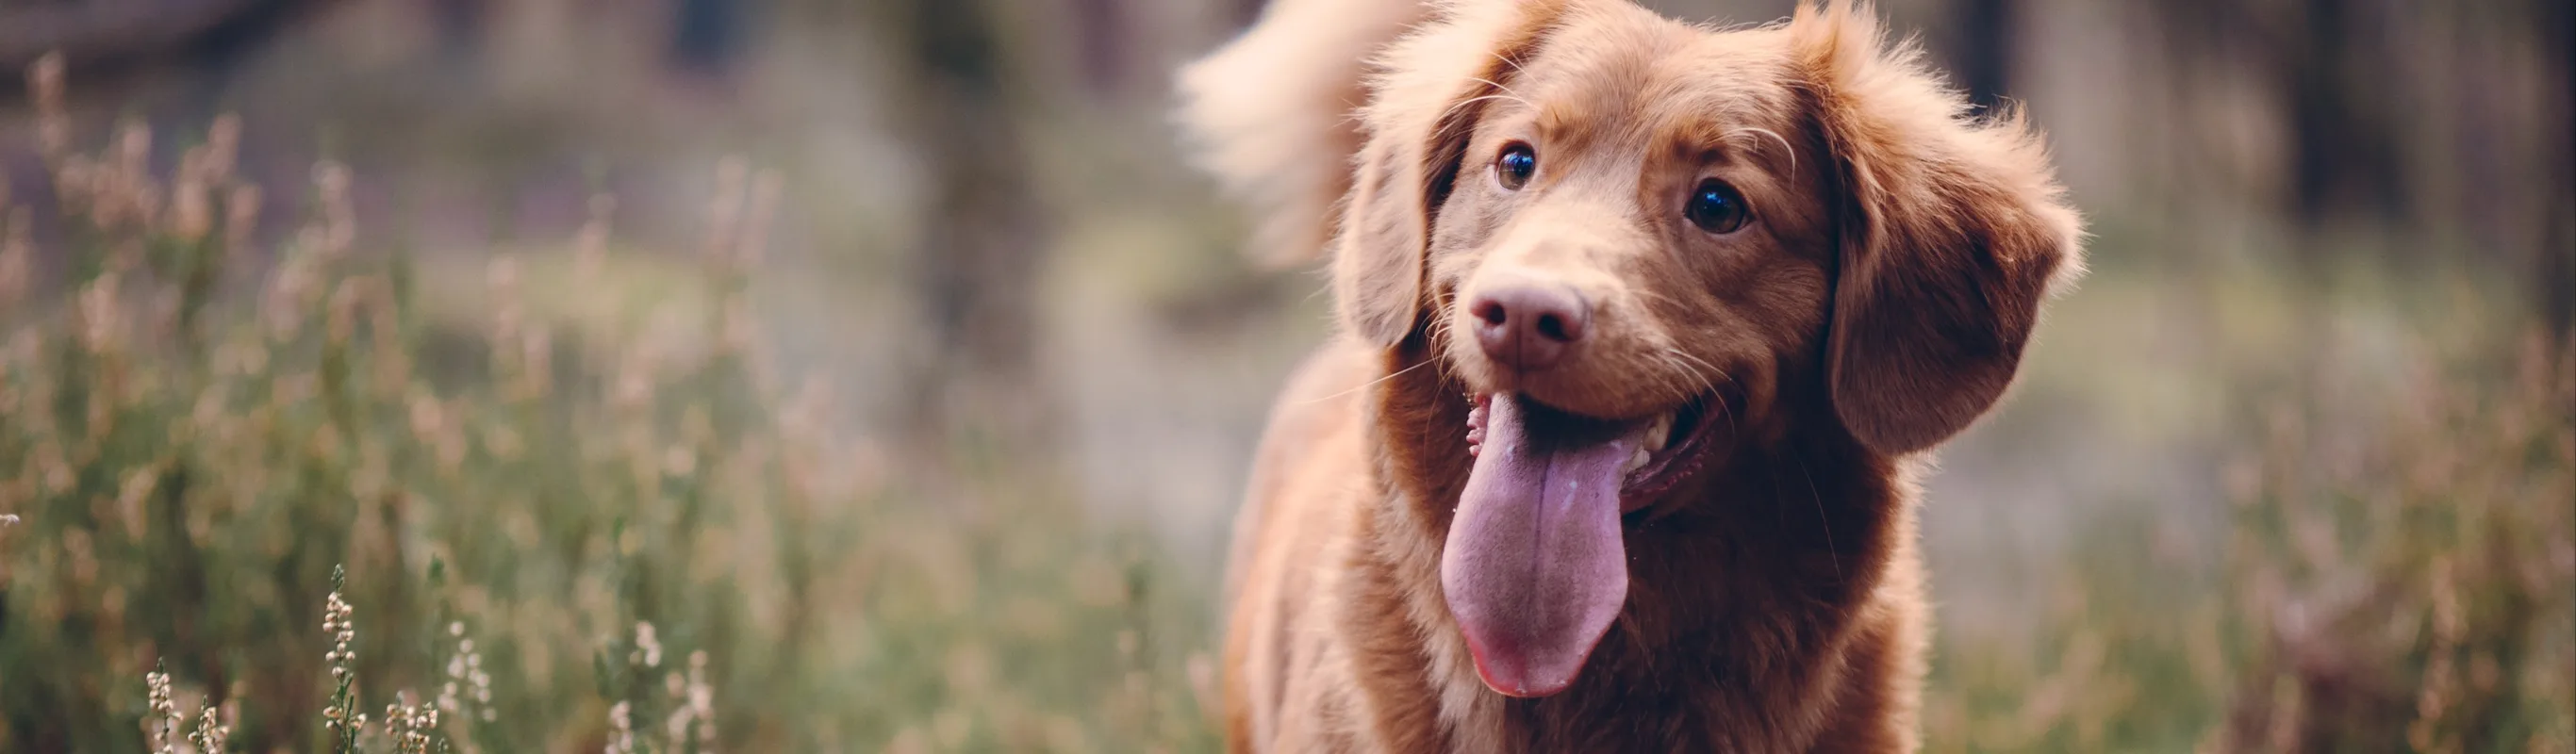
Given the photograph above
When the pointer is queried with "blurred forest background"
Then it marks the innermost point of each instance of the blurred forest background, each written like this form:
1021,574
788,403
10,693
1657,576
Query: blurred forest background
874,375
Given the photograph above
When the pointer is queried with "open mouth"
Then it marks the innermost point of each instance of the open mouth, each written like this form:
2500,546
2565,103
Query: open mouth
1668,448
1534,568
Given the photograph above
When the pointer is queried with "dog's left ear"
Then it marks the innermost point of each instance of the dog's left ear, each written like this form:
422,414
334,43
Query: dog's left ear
1270,113
1953,232
1424,106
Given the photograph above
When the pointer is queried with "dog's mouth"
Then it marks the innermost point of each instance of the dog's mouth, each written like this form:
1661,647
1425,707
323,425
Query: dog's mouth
1669,447
1534,568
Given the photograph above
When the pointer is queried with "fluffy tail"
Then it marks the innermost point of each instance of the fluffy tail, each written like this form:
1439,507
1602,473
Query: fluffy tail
1271,114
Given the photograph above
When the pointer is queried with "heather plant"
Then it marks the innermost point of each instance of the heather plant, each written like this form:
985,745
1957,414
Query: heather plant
2391,579
2413,593
554,538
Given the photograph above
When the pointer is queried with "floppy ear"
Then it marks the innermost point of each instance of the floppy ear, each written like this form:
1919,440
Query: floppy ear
1953,232
1425,103
1269,114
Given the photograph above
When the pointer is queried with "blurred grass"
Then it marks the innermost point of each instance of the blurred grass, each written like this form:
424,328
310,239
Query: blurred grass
2391,573
587,448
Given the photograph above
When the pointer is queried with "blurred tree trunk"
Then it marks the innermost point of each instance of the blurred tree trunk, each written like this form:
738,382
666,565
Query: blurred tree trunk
1107,36
2556,263
2366,144
2345,150
460,26
97,34
706,35
978,264
1985,41
2329,65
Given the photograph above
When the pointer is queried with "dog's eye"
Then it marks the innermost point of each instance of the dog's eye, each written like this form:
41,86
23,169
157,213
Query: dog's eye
1716,208
1515,165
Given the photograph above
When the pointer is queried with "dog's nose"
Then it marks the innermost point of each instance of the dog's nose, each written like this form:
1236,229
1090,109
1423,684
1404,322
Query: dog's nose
1529,324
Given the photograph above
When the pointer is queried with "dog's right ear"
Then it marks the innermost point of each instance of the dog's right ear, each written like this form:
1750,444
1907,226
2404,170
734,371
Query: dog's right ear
1431,90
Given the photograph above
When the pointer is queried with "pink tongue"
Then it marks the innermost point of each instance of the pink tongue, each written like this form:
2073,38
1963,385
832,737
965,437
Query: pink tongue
1534,568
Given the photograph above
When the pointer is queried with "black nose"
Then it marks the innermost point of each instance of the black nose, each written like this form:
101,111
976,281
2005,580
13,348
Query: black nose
1529,325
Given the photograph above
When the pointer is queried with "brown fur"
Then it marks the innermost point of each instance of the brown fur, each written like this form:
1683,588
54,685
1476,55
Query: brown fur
1267,123
1876,305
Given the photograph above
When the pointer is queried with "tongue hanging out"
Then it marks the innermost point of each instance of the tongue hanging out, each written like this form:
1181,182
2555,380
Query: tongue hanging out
1534,568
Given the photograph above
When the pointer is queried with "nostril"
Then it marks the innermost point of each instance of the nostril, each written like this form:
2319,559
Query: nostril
1528,325
1553,327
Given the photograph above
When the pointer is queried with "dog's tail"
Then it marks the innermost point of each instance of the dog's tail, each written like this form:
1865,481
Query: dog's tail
1272,114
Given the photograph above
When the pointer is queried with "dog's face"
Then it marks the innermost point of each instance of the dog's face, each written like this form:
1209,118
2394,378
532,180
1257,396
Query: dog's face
1629,237
1632,234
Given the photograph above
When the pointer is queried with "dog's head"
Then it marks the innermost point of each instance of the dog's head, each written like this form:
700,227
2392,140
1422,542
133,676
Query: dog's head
1628,236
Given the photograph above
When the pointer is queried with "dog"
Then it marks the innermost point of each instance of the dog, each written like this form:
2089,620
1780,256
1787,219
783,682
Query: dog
1645,331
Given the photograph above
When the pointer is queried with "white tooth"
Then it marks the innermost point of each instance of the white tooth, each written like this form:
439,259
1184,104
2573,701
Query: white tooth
1636,461
1657,434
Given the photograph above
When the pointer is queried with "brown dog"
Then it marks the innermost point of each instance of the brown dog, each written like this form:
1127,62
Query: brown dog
1646,327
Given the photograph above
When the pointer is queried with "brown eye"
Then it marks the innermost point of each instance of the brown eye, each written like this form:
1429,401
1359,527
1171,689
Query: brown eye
1716,207
1515,165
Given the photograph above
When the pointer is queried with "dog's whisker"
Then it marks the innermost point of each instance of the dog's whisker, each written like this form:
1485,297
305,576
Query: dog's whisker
1441,334
1823,520
1686,380
1440,330
1366,385
1726,410
1499,85
1683,378
1729,413
1775,136
1668,301
1684,361
1708,384
1696,359
1453,108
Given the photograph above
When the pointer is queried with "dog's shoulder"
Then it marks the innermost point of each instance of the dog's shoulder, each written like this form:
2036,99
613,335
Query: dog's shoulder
1306,477
1322,397
1318,408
